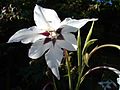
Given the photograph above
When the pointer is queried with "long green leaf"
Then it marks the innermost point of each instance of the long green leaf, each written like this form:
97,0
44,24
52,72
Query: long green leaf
90,33
89,43
103,46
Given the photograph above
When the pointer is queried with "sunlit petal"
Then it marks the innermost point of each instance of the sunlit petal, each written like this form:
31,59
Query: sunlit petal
66,28
76,23
38,48
55,71
46,17
66,45
71,39
50,35
26,35
53,58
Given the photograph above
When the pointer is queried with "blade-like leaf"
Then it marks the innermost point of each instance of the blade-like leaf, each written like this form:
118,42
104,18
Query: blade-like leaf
88,37
89,43
110,45
90,33
103,46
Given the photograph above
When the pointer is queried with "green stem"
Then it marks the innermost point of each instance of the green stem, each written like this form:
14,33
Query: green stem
80,63
79,52
68,67
80,78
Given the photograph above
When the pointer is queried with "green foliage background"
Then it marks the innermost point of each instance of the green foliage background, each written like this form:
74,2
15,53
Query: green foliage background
15,71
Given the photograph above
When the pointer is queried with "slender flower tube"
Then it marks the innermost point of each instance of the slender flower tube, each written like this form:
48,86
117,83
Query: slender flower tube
50,36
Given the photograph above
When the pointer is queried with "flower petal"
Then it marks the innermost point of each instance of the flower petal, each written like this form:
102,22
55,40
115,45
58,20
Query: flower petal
66,45
55,71
53,58
46,18
76,23
71,39
26,35
66,28
38,48
118,80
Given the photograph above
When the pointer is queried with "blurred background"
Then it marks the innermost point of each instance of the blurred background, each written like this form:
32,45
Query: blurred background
15,71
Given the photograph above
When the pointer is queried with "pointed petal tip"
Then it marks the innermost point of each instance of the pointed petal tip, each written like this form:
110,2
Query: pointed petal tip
94,19
56,72
32,56
8,41
37,5
11,40
58,77
75,46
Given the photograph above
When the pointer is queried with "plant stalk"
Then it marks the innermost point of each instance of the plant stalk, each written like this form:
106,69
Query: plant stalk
68,68
79,52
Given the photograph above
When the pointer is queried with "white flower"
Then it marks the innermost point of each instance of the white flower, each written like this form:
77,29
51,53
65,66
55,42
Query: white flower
118,81
107,84
50,35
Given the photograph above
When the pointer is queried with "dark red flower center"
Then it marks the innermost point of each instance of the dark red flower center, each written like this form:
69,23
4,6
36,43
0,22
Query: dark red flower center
53,36
45,33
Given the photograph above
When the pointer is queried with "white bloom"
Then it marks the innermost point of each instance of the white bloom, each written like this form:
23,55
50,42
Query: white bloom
51,35
118,81
107,84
